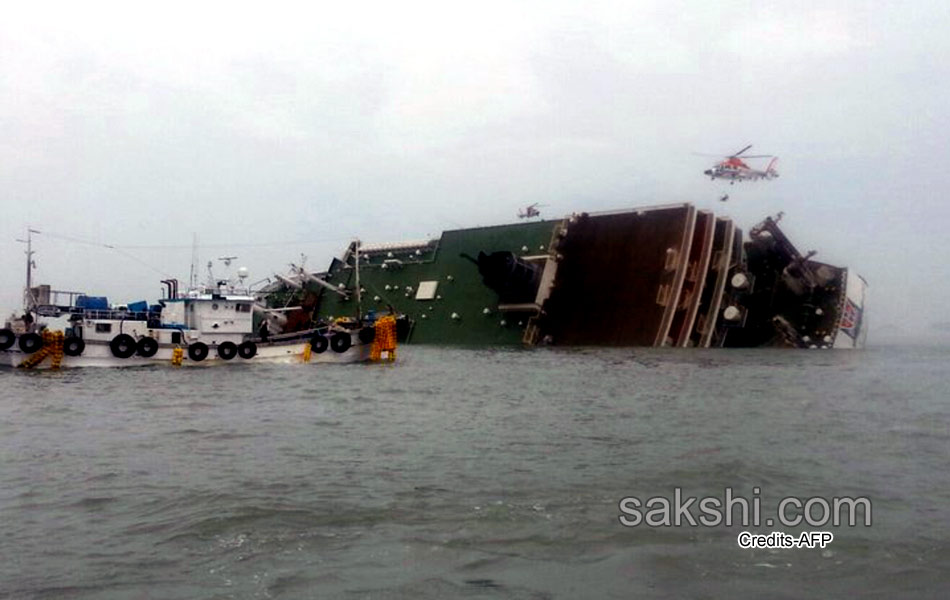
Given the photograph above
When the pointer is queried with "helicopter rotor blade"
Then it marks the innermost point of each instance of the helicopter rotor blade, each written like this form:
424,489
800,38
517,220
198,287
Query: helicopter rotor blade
741,151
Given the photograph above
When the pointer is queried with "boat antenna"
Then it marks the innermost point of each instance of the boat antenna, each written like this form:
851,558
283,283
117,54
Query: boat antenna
193,277
28,300
359,295
212,284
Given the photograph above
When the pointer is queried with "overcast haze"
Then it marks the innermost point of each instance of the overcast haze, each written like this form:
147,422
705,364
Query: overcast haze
278,129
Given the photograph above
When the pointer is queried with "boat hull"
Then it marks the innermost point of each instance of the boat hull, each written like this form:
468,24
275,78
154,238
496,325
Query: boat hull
99,355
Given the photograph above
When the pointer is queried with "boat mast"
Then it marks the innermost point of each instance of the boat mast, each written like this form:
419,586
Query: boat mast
28,300
359,294
193,276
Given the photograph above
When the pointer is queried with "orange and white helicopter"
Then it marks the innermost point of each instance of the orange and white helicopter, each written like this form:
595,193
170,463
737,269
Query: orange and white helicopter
735,169
530,211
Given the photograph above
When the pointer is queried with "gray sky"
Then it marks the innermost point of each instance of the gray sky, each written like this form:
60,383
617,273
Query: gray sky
277,129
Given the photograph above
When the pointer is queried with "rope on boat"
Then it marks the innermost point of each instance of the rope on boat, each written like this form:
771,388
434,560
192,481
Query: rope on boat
57,351
52,346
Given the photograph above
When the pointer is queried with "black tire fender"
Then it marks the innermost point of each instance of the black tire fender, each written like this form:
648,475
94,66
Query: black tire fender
30,342
227,350
403,325
122,346
147,347
7,339
319,343
197,351
341,342
73,346
247,350
367,335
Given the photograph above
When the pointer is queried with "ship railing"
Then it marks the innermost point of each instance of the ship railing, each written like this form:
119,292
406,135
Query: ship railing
57,295
116,315
51,303
50,310
525,307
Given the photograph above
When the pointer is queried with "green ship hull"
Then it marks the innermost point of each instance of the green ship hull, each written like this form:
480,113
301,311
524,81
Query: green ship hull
652,276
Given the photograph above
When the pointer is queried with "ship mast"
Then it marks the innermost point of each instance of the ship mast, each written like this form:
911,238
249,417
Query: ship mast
28,300
359,294
193,276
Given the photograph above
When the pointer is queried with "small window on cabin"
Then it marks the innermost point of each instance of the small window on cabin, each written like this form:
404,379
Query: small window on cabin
176,337
244,308
103,327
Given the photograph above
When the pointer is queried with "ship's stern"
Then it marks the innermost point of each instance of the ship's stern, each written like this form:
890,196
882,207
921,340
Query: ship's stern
852,328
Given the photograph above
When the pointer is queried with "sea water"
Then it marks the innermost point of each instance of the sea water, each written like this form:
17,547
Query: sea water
459,473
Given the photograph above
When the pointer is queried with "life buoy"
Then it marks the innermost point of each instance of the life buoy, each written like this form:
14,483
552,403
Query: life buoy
197,351
367,335
147,347
247,350
319,343
30,343
122,346
227,350
341,342
73,346
7,339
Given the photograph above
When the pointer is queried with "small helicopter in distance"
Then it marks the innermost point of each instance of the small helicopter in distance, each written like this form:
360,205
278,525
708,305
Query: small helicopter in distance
735,169
530,211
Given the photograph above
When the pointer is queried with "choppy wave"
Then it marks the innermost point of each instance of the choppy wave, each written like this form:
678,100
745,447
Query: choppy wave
470,474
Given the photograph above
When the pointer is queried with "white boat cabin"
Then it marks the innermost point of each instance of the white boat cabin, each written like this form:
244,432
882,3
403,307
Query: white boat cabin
212,318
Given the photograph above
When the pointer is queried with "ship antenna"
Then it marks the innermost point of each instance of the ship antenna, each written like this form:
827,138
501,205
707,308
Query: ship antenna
359,295
211,281
193,277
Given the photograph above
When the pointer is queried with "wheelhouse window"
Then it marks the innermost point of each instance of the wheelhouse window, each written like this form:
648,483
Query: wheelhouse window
103,327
